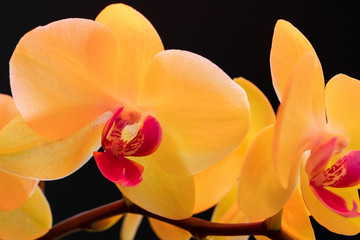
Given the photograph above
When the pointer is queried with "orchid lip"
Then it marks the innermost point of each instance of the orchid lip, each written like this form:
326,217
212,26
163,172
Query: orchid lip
127,133
343,173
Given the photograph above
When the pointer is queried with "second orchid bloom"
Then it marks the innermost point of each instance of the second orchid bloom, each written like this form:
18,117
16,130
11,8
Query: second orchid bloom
315,139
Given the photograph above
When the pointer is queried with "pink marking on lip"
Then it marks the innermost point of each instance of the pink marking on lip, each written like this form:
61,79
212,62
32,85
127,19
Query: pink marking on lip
345,172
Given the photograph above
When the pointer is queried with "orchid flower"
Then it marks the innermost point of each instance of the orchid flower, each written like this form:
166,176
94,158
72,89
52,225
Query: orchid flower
24,211
161,116
327,125
315,138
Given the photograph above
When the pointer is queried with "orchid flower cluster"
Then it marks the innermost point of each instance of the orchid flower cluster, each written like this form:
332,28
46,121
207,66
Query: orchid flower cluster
178,135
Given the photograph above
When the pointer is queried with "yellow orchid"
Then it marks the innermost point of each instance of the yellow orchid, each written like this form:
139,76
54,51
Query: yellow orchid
326,124
315,137
24,211
169,114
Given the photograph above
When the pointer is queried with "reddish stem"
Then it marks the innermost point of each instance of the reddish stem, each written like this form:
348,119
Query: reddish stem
197,227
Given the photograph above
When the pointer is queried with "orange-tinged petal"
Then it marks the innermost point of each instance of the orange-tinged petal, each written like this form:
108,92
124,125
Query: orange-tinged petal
212,184
63,76
30,221
323,215
25,153
167,195
167,231
14,190
105,224
138,42
288,45
301,118
129,226
258,180
204,115
342,101
295,220
8,110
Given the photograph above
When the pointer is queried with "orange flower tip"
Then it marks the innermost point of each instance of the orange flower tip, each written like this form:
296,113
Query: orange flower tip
119,169
127,133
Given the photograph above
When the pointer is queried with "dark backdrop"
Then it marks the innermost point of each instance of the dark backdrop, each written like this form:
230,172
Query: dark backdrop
235,35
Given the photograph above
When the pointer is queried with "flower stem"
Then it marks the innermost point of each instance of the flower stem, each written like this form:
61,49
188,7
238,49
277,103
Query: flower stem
196,226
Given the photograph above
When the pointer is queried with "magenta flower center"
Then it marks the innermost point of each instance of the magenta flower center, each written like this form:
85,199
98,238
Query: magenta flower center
127,134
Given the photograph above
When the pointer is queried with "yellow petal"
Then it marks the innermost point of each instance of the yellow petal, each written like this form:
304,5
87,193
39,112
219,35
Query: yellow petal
301,116
8,110
14,190
30,221
204,115
104,224
288,45
138,42
323,215
167,231
164,194
25,153
63,76
342,101
129,226
212,184
227,211
258,180
296,221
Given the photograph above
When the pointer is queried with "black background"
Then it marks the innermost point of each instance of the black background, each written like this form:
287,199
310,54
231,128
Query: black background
235,35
